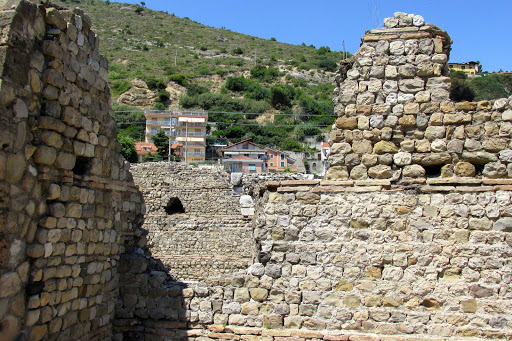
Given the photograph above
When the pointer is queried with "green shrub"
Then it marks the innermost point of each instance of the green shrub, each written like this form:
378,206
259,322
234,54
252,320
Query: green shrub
236,84
179,79
163,96
281,95
257,92
204,70
203,48
265,74
120,86
237,50
159,106
155,84
291,144
327,64
194,89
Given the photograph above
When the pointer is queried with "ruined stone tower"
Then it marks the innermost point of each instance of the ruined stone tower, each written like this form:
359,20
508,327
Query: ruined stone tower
396,120
67,199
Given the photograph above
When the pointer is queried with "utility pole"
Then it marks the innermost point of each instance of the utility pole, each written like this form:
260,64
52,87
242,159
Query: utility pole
344,53
186,141
170,135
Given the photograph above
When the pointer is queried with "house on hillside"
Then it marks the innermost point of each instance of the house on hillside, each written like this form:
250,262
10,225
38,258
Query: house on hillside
245,156
143,149
187,128
278,160
469,68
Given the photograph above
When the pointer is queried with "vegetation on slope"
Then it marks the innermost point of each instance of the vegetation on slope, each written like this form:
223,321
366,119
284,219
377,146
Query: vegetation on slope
221,70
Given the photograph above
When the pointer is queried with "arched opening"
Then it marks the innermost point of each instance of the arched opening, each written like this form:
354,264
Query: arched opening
174,206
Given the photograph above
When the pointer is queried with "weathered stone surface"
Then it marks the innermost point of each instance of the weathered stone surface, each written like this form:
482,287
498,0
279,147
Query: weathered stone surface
380,172
465,169
382,147
413,171
346,123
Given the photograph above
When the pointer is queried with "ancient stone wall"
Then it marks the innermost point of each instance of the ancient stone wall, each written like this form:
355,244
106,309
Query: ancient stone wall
396,120
347,260
408,238
210,236
67,198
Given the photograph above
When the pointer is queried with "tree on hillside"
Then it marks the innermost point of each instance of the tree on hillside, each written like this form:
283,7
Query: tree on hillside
460,89
127,148
161,141
492,86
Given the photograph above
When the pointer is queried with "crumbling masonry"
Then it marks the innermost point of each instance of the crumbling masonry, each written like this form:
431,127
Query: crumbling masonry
408,238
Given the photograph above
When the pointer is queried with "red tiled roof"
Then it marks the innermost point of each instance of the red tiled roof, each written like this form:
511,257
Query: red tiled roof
139,148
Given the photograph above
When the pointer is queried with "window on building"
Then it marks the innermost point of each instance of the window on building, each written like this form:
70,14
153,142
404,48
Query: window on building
174,121
463,67
282,156
271,164
197,152
319,156
282,164
167,120
313,166
271,156
153,131
450,66
252,167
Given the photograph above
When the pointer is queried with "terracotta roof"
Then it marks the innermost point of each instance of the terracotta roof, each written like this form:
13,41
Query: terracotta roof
139,148
325,145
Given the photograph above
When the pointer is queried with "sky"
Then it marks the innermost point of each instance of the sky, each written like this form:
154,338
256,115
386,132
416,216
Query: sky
480,30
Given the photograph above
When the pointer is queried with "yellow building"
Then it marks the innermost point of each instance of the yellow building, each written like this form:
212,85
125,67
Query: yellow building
187,128
470,68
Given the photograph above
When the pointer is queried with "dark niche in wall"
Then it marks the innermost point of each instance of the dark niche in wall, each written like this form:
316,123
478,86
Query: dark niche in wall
82,165
174,206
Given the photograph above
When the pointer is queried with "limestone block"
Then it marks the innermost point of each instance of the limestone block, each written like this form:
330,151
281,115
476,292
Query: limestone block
402,159
340,148
15,168
10,284
382,147
500,104
411,86
407,71
464,169
359,172
362,147
407,121
413,171
479,157
346,123
431,159
495,170
435,132
337,172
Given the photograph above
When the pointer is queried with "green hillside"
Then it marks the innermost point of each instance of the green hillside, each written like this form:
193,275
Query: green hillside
189,65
